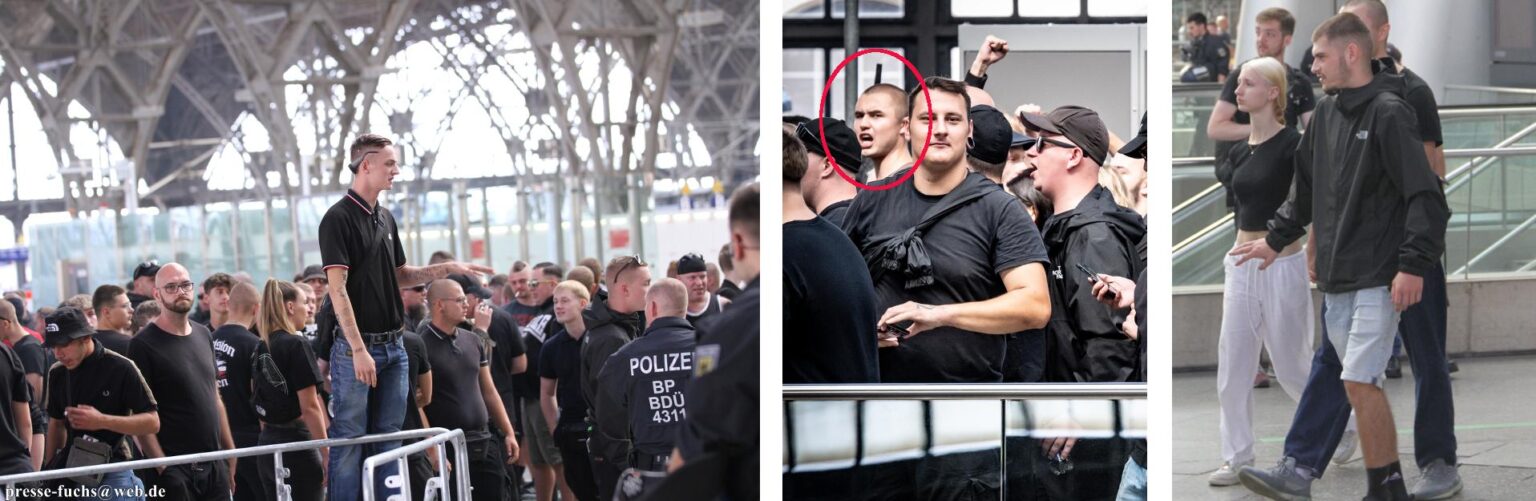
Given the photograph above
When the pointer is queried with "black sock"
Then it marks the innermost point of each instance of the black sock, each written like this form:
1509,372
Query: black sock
1386,482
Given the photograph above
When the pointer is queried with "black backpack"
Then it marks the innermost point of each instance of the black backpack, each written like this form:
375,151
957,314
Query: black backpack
270,394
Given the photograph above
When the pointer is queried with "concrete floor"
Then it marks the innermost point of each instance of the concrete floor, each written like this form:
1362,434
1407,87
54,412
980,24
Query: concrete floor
1495,430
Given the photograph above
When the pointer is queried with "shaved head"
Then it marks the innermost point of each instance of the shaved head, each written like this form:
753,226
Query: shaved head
177,302
668,297
443,289
244,298
7,311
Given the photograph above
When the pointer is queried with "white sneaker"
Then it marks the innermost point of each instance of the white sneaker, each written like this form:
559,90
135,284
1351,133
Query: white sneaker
1347,446
1227,474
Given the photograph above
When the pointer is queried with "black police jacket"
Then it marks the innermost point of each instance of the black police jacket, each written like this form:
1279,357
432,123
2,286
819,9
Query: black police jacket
722,423
640,388
1364,184
1084,341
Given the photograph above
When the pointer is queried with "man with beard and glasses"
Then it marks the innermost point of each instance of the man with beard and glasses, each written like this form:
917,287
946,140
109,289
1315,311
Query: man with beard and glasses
879,118
175,356
957,266
702,303
1364,183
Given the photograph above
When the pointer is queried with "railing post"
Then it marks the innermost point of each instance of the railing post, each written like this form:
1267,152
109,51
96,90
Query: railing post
284,492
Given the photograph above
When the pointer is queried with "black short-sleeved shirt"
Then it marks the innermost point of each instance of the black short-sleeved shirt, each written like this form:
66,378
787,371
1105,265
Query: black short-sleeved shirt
181,372
829,307
14,454
561,361
111,383
535,323
1421,98
295,359
34,360
366,242
836,212
456,362
1255,177
233,347
417,364
507,338
970,249
114,340
1299,96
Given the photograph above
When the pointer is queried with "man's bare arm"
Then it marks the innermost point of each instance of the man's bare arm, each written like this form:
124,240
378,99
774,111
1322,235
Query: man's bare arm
1436,156
342,303
1026,305
411,276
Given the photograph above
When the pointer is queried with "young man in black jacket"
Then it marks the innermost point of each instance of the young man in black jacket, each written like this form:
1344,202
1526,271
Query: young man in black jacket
1380,227
1088,232
611,325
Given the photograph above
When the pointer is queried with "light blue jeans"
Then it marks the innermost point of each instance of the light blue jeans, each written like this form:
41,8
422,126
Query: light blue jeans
121,486
1361,325
359,410
1133,483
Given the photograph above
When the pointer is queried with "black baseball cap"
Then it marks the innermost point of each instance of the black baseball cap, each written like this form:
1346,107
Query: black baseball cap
64,325
146,269
1137,148
990,135
1022,141
840,139
312,272
1080,125
470,285
691,263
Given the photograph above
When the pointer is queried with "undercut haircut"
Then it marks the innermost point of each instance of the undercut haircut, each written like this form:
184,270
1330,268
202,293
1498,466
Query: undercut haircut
553,271
1345,28
896,94
794,159
745,207
104,296
1279,15
363,145
1198,17
939,84
1376,8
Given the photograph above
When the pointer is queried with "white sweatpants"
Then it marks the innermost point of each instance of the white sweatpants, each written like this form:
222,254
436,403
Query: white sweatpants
1272,308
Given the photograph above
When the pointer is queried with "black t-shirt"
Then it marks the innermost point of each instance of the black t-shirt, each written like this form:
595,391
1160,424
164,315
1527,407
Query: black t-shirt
233,348
561,361
1421,98
295,360
1299,96
114,340
14,454
366,242
970,249
507,337
829,307
417,364
111,383
456,362
836,212
180,371
535,322
1255,177
34,360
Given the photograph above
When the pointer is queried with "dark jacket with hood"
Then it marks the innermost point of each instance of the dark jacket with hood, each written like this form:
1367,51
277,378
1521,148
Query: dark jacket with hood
1084,341
1361,171
607,331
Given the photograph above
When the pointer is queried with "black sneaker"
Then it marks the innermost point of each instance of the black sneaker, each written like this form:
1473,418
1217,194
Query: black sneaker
1394,368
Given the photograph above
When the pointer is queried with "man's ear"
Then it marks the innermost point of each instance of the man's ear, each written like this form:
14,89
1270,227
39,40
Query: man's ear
827,170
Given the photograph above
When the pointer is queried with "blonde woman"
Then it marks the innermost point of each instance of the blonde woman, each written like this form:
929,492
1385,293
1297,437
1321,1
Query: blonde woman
284,378
1262,308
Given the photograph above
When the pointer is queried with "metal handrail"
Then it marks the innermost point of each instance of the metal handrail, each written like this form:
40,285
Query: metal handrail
398,456
1497,244
1201,236
1486,88
977,391
10,481
1186,161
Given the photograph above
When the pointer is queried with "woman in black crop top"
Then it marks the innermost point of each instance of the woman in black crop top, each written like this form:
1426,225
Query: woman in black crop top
284,381
1271,307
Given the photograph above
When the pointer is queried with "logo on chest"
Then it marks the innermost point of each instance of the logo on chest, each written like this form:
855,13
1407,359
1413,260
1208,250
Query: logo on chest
1363,135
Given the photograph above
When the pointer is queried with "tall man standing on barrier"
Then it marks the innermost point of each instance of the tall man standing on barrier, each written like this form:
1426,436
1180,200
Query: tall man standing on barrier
365,267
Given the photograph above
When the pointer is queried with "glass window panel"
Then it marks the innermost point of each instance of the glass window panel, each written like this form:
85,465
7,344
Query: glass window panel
871,9
981,8
1117,8
1050,8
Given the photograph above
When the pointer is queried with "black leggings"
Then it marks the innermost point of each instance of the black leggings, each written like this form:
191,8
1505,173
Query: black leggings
305,474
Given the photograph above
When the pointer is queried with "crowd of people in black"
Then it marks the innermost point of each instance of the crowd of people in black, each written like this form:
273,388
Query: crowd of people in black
595,381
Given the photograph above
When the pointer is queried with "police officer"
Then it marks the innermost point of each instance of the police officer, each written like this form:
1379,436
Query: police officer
641,385
1207,54
97,399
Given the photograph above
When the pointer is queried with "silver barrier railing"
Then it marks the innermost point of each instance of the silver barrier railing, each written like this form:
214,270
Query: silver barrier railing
434,484
10,481
979,391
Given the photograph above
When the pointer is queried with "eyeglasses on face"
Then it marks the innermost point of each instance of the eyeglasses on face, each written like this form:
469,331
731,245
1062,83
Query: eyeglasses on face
183,288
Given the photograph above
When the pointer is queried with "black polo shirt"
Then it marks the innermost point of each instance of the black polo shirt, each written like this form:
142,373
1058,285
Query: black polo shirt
366,242
114,340
106,380
1420,97
456,360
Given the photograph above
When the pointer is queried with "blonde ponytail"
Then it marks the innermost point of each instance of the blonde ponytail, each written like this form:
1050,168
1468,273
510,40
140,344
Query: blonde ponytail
274,316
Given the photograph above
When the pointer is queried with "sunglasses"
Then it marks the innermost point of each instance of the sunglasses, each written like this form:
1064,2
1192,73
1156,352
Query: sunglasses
627,263
1040,144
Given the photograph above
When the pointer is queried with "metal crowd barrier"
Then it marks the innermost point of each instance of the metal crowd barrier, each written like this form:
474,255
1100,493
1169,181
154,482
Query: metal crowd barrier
431,436
434,484
981,391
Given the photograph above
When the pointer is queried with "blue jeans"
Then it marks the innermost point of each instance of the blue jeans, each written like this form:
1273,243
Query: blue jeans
1133,483
124,485
1324,408
359,410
